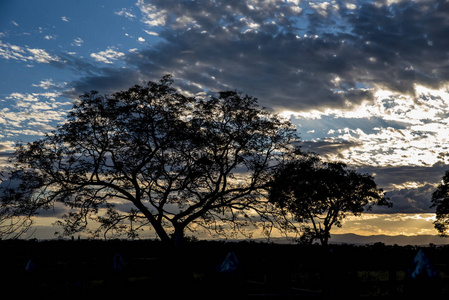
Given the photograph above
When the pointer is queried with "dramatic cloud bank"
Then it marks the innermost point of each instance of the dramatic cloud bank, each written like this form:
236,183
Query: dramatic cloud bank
296,55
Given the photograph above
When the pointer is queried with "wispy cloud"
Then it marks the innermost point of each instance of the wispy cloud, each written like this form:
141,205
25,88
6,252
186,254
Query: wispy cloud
45,84
151,32
41,56
152,15
107,56
31,114
78,42
26,54
125,13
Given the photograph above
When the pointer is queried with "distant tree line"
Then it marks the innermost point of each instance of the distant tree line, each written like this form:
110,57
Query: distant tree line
153,157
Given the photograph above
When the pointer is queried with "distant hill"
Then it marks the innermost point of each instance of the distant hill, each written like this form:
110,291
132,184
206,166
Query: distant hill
354,239
401,240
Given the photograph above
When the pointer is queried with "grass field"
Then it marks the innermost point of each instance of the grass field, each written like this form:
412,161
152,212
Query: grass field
85,269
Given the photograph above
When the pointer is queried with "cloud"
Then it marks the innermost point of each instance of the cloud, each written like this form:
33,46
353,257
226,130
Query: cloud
65,19
29,115
323,8
151,33
125,13
41,56
107,56
47,84
6,146
25,54
328,147
388,224
78,42
392,130
410,200
152,15
103,80
399,177
297,55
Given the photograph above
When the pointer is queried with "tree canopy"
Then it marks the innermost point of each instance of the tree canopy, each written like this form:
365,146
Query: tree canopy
440,200
151,156
320,194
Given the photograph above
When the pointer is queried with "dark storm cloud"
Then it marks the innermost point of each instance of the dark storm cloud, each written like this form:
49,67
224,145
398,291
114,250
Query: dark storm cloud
388,177
294,57
317,54
106,81
327,147
408,42
281,69
398,183
95,77
409,200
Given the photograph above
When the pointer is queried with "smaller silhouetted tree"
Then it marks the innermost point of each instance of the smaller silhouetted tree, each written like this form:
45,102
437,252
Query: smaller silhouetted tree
320,194
440,200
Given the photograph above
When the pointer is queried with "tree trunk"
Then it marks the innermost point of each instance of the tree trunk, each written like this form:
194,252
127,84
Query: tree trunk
325,241
160,231
178,236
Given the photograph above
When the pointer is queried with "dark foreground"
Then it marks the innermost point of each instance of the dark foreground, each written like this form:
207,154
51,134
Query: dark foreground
147,269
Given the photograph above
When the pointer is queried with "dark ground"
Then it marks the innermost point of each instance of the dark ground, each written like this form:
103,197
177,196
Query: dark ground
85,269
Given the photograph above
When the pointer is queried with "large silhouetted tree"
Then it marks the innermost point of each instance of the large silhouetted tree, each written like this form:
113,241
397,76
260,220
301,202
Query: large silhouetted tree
320,194
152,156
440,200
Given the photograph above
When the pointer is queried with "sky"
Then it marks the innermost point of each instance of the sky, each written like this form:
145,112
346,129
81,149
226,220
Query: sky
365,82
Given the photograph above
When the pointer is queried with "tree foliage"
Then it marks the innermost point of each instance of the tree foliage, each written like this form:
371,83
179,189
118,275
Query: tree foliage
440,200
152,156
321,194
